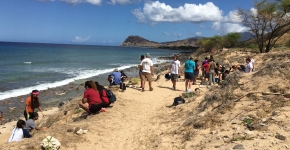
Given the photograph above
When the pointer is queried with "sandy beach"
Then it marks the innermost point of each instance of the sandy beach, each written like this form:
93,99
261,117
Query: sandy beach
249,111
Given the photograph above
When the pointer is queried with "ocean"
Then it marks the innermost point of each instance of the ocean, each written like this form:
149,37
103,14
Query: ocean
28,66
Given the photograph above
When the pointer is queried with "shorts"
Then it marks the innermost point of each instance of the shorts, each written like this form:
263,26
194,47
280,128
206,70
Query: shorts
174,77
95,108
189,75
146,75
196,73
206,75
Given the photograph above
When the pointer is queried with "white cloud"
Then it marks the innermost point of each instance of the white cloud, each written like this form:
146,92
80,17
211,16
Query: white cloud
225,28
94,2
123,2
232,17
198,33
80,39
201,26
160,12
177,34
166,33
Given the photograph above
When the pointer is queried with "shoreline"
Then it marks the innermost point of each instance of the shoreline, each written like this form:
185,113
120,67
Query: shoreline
13,107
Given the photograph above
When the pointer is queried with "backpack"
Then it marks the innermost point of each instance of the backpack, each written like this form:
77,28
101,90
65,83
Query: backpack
111,96
178,100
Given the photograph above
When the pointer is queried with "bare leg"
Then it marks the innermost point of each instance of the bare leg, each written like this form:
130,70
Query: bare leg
85,107
186,83
189,84
174,84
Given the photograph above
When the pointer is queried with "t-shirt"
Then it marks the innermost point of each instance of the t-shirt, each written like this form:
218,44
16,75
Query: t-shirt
28,104
249,67
146,64
189,66
104,97
196,69
30,125
174,66
204,62
117,77
212,65
92,96
252,62
17,135
206,67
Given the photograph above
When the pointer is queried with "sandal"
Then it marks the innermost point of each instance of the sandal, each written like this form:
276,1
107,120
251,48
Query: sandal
151,89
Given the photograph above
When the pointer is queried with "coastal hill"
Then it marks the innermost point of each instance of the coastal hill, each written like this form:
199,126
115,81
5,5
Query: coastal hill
137,41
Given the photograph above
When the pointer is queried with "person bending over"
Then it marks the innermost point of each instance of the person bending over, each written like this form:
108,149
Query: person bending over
32,102
103,95
91,101
18,133
30,123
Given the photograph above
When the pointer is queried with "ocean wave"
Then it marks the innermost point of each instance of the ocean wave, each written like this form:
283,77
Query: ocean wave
27,62
82,74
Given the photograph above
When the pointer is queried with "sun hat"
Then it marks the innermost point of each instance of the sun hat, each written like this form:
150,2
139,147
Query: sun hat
35,92
148,55
116,70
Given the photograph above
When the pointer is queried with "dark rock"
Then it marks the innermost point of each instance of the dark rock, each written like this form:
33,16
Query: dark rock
65,112
239,146
60,104
77,129
280,137
70,130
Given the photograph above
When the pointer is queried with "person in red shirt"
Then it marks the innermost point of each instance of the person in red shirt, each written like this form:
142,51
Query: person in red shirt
206,67
91,101
32,102
103,95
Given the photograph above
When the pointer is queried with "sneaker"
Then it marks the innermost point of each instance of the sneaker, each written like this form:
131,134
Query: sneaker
151,89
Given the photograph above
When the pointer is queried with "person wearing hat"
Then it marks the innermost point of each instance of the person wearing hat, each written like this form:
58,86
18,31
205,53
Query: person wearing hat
147,72
115,77
32,102
30,123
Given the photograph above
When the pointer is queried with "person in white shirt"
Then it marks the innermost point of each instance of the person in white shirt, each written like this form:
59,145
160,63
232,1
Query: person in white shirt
248,66
174,70
18,132
146,66
252,61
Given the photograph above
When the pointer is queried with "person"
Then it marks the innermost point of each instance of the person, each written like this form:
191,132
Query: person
212,66
140,70
196,71
147,72
189,66
252,61
115,77
91,101
1,118
30,123
18,133
174,70
203,69
32,102
103,95
206,72
241,68
225,74
248,66
123,76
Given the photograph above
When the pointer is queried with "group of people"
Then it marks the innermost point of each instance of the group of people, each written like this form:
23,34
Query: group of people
118,78
211,72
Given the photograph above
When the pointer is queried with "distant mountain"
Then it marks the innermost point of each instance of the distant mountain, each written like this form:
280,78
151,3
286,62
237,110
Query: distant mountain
138,41
245,36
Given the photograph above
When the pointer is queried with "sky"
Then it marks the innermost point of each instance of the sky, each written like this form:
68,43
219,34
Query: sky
110,22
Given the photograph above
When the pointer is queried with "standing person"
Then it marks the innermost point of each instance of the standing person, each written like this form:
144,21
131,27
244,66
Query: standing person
196,71
140,70
203,69
1,118
147,72
173,69
252,61
115,77
32,102
30,123
248,66
18,132
206,72
189,66
212,66
91,101
123,76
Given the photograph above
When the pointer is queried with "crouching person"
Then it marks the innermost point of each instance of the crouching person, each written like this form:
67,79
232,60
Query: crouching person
91,101
18,133
30,123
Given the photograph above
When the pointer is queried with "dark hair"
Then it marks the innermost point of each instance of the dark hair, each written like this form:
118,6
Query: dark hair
175,56
99,88
34,100
142,57
196,61
20,123
33,115
91,84
206,58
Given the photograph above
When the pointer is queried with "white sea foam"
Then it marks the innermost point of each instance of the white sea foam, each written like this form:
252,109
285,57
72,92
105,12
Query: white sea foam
79,74
27,62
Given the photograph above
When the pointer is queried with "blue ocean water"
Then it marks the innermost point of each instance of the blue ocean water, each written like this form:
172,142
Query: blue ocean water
28,66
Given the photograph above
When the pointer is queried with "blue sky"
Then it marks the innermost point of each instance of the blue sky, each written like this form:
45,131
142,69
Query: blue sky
110,22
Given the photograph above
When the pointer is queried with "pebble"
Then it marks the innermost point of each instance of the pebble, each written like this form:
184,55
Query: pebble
280,137
239,146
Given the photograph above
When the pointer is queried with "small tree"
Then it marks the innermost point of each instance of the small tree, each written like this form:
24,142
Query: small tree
268,21
231,39
209,43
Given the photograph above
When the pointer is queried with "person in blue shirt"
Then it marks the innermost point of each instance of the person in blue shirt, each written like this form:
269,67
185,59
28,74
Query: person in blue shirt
115,77
189,66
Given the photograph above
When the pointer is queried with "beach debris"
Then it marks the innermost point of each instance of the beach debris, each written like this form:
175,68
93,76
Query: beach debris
81,131
50,143
12,108
60,104
280,137
60,93
65,112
